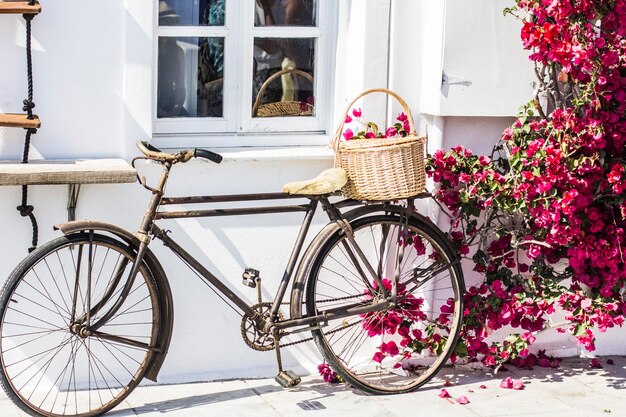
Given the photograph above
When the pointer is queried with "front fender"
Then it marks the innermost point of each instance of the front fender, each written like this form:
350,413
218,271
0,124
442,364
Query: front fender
154,266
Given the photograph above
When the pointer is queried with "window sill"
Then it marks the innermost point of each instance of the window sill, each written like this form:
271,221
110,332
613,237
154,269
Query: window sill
279,153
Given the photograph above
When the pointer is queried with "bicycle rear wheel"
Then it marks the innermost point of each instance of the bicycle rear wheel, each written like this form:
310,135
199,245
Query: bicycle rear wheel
397,349
52,362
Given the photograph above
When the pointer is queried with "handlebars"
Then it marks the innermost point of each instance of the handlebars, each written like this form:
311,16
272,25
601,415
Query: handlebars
182,156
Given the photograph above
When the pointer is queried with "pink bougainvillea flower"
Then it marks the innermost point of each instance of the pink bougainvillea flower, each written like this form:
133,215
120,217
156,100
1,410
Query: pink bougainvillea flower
392,131
402,117
518,384
370,135
570,201
348,119
596,363
357,112
328,374
348,134
462,400
483,386
390,347
444,394
506,383
544,362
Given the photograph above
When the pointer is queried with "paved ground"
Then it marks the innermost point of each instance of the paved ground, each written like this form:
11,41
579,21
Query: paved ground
573,390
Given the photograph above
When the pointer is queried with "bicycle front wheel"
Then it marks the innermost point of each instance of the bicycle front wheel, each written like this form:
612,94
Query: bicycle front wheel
53,362
393,349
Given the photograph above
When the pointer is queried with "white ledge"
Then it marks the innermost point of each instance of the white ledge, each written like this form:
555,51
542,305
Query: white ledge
83,171
290,153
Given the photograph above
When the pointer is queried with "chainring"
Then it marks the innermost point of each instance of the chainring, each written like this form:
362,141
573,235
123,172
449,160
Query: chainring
254,337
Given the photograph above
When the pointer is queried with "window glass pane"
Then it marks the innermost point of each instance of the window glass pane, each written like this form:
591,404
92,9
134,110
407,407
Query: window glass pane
285,13
282,82
191,12
190,77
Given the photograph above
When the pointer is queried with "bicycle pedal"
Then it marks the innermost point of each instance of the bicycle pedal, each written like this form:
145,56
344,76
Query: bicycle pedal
250,277
287,379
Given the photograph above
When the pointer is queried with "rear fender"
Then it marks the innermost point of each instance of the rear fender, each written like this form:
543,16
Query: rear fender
154,266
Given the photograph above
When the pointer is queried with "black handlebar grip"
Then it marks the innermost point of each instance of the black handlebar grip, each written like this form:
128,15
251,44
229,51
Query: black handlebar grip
150,147
211,156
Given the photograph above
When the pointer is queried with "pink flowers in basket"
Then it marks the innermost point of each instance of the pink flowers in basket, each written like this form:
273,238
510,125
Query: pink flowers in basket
370,130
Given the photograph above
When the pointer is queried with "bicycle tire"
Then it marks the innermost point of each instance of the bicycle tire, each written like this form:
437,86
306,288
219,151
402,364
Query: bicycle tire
388,351
48,367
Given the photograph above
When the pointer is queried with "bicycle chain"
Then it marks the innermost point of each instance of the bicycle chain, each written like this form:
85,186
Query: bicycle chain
308,339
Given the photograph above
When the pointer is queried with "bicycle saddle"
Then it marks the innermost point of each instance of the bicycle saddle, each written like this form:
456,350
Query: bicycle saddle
327,182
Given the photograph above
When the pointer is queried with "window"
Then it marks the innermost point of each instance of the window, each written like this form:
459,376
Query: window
236,68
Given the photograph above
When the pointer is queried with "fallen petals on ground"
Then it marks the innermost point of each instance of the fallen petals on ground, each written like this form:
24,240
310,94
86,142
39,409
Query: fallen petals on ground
444,394
516,384
462,400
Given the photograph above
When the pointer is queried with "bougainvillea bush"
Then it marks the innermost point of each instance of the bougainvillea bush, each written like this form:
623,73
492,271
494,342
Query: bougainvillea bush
544,217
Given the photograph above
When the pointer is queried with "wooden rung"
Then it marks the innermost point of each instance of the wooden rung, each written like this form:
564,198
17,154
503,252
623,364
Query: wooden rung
19,7
85,171
19,120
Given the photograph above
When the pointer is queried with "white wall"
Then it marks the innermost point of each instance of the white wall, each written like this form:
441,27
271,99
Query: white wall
489,78
93,89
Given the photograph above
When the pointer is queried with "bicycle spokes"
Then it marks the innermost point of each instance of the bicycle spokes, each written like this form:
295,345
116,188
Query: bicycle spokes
407,338
51,357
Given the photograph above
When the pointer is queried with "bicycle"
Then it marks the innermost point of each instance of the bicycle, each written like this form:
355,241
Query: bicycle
85,317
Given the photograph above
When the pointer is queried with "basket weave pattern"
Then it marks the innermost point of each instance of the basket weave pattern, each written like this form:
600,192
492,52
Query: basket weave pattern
384,168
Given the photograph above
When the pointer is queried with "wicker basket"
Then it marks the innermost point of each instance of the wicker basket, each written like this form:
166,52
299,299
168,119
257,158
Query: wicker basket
281,108
381,169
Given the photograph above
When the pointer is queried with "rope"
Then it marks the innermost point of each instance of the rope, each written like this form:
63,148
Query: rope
25,209
29,105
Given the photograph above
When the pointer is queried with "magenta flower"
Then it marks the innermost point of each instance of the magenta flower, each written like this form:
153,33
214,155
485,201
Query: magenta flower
357,112
506,383
392,131
328,374
348,134
444,394
518,384
348,119
462,400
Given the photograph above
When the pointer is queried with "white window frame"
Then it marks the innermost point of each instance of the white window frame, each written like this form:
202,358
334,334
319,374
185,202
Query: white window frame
237,127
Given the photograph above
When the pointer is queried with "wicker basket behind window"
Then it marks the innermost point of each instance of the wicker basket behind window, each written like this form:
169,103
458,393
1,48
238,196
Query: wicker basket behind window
281,108
381,169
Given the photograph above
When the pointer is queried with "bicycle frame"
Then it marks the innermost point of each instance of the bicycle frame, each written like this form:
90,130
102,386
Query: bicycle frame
149,229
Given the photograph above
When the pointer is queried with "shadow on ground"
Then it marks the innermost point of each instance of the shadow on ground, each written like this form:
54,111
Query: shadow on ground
312,393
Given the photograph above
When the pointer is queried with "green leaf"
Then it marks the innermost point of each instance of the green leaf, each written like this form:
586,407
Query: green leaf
373,126
461,350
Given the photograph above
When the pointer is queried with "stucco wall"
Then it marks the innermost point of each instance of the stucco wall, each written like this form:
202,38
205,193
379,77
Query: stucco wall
93,68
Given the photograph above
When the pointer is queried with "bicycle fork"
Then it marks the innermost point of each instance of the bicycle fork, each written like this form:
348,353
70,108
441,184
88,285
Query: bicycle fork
144,239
